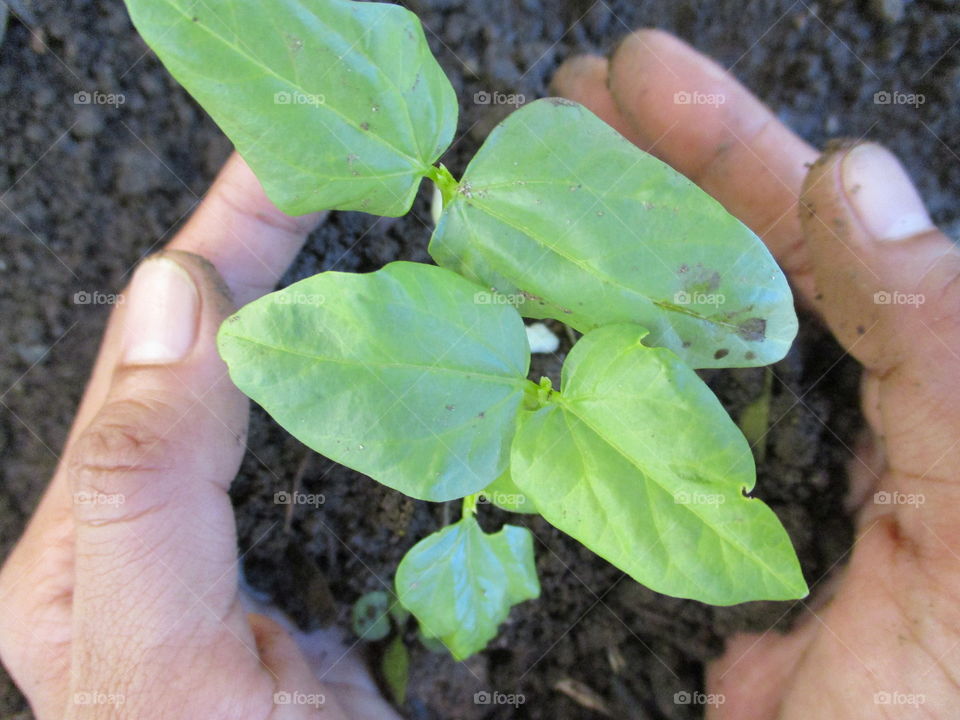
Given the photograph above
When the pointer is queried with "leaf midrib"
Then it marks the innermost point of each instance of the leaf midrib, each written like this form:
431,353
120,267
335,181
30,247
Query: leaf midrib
517,382
588,269
568,405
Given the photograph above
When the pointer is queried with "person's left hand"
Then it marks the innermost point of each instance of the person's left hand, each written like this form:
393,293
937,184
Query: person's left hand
122,599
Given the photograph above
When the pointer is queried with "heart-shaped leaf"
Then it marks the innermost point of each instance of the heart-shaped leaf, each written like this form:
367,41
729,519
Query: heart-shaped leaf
638,460
569,220
334,104
399,374
460,583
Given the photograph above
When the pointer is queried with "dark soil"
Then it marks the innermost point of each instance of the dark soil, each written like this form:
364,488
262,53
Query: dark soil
88,190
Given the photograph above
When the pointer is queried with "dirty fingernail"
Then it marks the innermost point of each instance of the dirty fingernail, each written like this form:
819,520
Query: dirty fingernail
163,305
882,193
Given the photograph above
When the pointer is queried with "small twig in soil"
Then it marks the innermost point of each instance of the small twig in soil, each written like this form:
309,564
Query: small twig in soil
297,483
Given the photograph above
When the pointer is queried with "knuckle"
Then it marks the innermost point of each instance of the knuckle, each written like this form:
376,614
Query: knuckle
126,445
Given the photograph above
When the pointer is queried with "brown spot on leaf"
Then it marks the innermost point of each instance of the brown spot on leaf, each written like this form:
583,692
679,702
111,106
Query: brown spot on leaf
753,329
700,280
721,353
750,355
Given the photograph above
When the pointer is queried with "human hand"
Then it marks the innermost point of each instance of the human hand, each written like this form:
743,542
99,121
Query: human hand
859,248
121,599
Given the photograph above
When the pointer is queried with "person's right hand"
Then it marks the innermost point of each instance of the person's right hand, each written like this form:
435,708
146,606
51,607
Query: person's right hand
859,247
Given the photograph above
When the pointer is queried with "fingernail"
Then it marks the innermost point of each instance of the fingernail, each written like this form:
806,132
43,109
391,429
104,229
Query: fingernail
162,314
576,70
883,194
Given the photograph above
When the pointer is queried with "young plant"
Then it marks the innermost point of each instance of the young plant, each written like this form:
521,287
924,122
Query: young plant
371,619
416,375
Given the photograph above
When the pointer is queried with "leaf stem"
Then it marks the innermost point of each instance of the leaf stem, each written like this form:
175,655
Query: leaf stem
537,396
445,182
470,505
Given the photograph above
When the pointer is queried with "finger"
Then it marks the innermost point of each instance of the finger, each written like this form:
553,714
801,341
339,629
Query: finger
687,110
764,663
297,694
155,545
583,79
888,286
244,235
248,240
317,659
35,595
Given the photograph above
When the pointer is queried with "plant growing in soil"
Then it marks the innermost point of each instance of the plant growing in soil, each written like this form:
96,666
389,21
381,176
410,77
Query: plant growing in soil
416,375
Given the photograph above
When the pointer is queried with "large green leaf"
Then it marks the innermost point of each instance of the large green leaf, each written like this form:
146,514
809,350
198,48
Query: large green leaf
460,583
637,460
334,104
505,494
398,374
575,223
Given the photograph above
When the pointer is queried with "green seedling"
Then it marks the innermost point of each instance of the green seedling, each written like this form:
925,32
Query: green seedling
395,667
755,417
416,375
371,618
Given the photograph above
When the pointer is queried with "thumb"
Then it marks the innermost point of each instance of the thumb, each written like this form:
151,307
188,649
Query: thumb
155,535
887,284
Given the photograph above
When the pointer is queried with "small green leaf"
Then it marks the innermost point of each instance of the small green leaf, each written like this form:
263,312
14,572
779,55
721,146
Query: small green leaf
396,669
460,583
399,614
568,220
431,644
334,104
638,460
755,418
398,374
504,493
371,619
